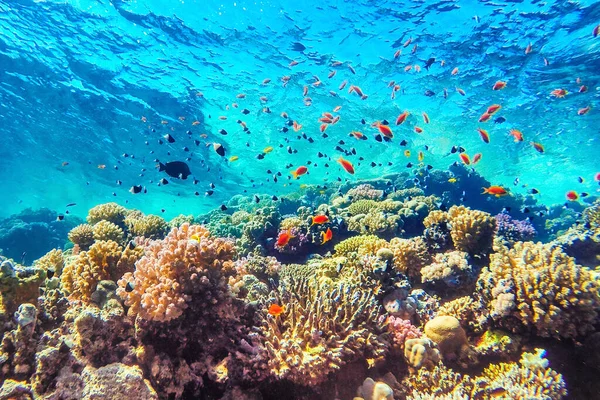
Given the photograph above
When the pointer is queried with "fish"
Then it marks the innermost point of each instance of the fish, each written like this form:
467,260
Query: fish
429,93
465,158
528,48
343,85
454,71
135,189
425,118
358,135
65,163
407,153
347,165
538,146
583,111
407,43
418,129
320,219
297,126
596,31
452,180
461,92
240,96
331,74
385,130
275,310
233,158
583,89
268,149
559,93
484,117
499,85
497,191
572,195
485,136
337,108
517,135
401,118
500,120
266,81
493,109
397,53
597,177
326,236
476,158
421,156
219,149
301,170
223,207
101,166
429,63
351,69
175,169
284,238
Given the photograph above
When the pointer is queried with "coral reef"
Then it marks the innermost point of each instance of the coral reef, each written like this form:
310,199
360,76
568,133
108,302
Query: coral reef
452,269
82,235
513,230
111,212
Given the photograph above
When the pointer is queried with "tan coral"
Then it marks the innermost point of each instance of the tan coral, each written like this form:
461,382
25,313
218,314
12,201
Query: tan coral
421,352
371,390
449,336
543,288
82,235
111,212
53,261
356,244
471,230
410,255
452,268
105,230
149,226
362,206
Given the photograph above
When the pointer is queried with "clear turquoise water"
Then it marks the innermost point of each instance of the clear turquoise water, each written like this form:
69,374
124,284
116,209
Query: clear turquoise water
76,78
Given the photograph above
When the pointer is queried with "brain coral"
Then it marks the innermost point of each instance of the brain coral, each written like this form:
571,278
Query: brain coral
187,263
542,288
111,212
321,329
82,235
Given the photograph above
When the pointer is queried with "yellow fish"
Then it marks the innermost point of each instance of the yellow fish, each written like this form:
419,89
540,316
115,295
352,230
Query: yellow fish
267,150
233,158
195,237
421,156
407,153
452,180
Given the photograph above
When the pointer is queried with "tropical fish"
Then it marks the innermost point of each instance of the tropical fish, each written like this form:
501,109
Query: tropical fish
484,117
275,310
320,219
326,236
572,195
401,118
462,92
455,71
497,191
347,165
175,169
421,156
101,166
484,135
425,118
429,63
268,149
407,153
331,74
476,158
297,126
493,109
284,238
465,158
583,111
528,48
301,170
233,158
596,31
517,135
559,93
418,129
397,53
499,85
266,81
583,89
358,135
538,147
385,130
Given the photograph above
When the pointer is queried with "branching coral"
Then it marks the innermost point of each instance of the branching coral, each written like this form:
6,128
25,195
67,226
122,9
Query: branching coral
542,288
363,244
186,263
111,212
105,230
321,329
410,255
82,235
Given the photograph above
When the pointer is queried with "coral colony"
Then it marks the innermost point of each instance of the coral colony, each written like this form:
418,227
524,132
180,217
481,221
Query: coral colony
410,298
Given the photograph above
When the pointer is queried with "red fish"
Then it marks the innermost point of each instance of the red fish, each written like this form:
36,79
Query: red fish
320,219
572,195
385,130
517,135
293,63
425,118
407,43
485,136
559,93
455,71
495,191
476,158
485,117
326,236
358,135
401,118
297,126
462,92
323,127
583,89
597,177
583,111
347,165
407,68
301,170
596,31
499,85
538,146
528,48
275,310
418,129
465,158
493,109
397,53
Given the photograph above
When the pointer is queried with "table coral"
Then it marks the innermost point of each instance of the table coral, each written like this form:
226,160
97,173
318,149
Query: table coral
82,235
321,329
542,288
187,263
111,212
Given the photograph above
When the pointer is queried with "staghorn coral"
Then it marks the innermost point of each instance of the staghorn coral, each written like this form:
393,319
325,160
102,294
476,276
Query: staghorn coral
362,244
542,288
187,262
105,230
104,260
410,255
321,329
452,269
111,212
82,235
148,226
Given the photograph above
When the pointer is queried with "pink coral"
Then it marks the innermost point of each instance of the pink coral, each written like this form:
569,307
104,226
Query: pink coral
402,330
365,191
187,262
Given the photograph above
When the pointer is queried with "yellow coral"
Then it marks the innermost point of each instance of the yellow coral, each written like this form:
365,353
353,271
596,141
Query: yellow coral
53,261
180,220
82,235
436,217
410,255
362,206
111,212
543,288
105,230
354,243
289,223
148,226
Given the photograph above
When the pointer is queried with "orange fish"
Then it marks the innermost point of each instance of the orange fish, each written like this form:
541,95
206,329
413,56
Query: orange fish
499,85
275,310
332,74
465,158
462,92
385,130
572,195
101,166
517,135
347,165
402,117
455,71
538,147
294,62
407,68
323,127
493,109
596,31
320,219
335,120
358,135
495,191
425,118
325,120
407,43
397,53
241,96
476,158
326,236
528,48
418,129
484,135
358,91
559,93
583,111
297,126
485,117
301,170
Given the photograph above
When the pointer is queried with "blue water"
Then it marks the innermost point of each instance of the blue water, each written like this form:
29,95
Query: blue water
78,77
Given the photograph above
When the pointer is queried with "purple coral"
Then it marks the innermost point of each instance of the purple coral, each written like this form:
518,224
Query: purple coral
401,330
514,230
